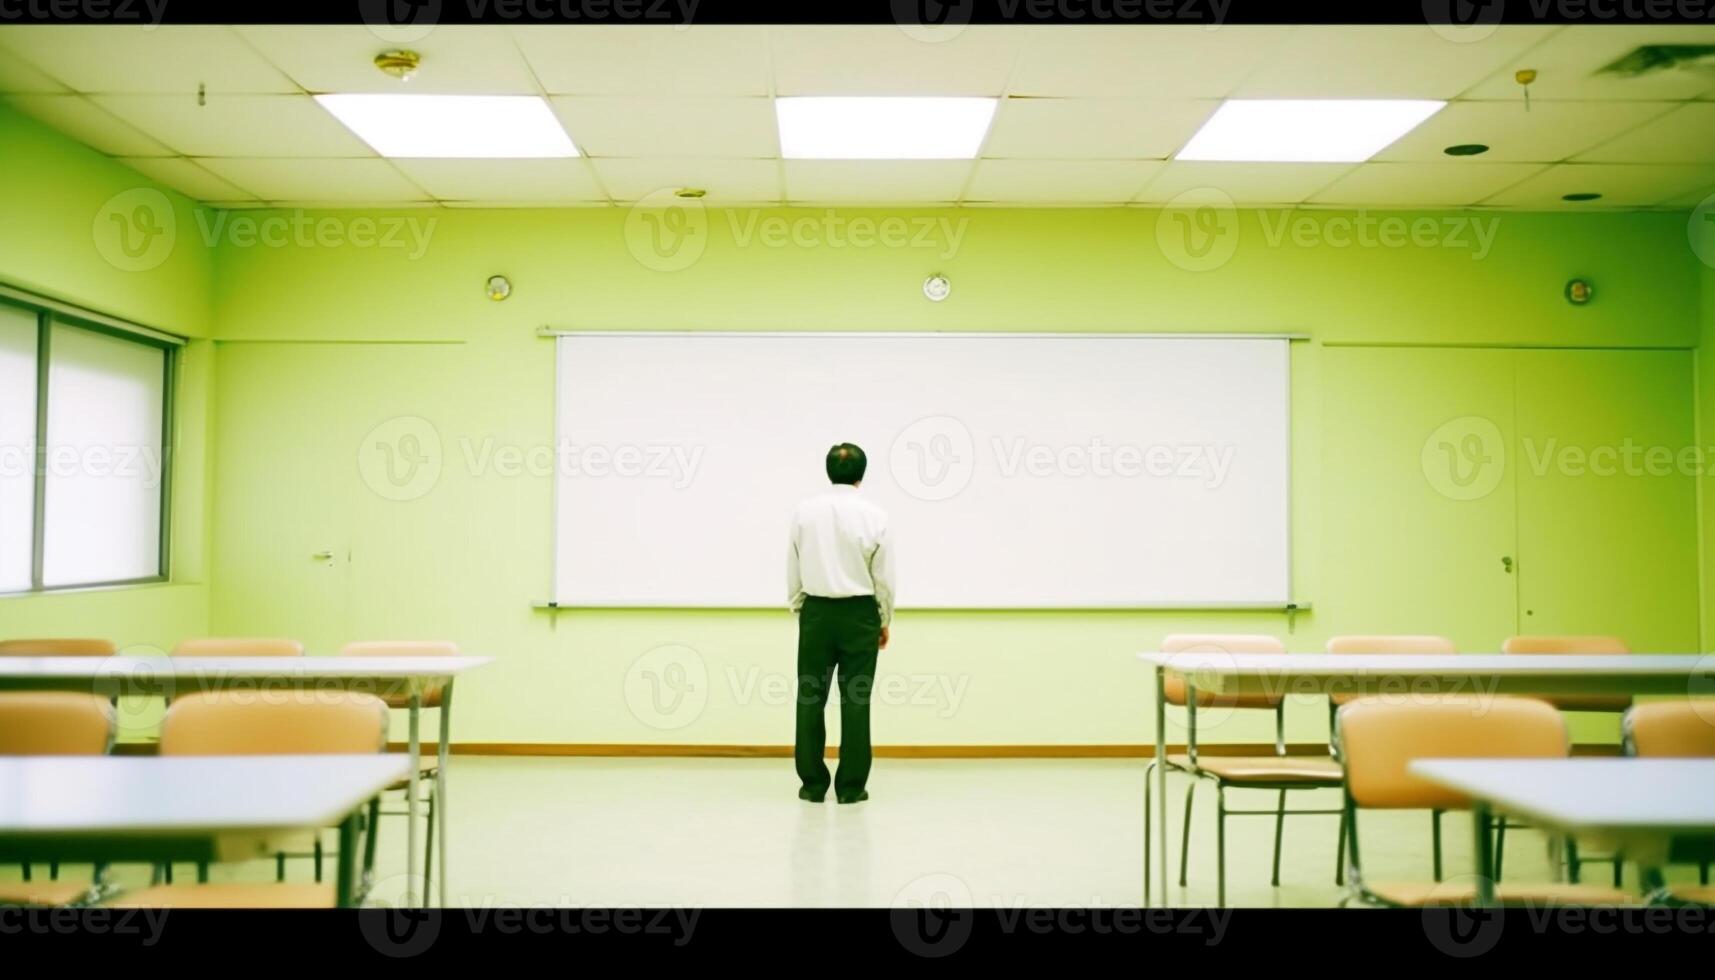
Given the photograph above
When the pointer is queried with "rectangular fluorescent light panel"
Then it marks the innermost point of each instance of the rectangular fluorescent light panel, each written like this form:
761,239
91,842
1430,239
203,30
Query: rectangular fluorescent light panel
1305,130
453,126
882,128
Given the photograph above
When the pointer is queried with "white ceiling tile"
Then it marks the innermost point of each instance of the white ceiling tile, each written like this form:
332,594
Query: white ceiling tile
875,181
109,58
88,123
1684,135
1060,181
238,125
1693,198
1183,61
457,60
186,177
354,181
1245,183
1621,185
646,60
614,126
1094,129
723,180
884,60
1567,63
559,180
1453,183
1382,62
1548,133
18,75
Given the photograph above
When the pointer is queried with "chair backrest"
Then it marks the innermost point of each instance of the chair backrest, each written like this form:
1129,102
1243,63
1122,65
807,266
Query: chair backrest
431,698
1385,643
306,722
55,723
1574,645
1236,644
1379,739
58,648
1683,729
215,646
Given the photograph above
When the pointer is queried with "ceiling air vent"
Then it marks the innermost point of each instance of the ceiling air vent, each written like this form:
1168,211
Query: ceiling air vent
1653,58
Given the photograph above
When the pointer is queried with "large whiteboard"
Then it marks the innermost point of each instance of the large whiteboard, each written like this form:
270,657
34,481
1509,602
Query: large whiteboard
1018,470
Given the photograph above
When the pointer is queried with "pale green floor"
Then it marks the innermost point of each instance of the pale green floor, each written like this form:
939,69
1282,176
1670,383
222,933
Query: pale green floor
730,832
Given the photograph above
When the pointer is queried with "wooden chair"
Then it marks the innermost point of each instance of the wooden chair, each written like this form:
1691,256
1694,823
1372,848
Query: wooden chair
1378,740
1675,730
54,723
58,648
307,722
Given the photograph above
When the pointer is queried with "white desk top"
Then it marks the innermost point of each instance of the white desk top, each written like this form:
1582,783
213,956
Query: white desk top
1590,795
184,795
1438,665
252,668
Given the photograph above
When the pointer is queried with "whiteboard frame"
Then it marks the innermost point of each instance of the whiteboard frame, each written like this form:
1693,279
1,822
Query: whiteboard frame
1290,607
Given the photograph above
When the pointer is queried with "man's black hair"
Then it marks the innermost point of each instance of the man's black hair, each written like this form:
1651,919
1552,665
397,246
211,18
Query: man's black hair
846,463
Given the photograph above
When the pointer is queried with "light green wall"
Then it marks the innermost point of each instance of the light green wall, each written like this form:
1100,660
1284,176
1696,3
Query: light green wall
466,560
57,238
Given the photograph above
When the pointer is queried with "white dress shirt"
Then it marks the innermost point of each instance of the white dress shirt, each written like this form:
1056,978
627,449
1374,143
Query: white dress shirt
839,548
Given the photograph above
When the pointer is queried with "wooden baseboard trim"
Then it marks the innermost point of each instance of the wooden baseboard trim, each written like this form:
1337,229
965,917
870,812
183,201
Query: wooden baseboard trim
669,750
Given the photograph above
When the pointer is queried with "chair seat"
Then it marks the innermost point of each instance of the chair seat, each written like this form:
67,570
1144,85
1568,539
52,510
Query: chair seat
42,892
1424,894
228,896
1314,770
1701,895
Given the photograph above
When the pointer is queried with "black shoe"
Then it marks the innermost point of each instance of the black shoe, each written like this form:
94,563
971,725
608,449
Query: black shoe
810,797
859,798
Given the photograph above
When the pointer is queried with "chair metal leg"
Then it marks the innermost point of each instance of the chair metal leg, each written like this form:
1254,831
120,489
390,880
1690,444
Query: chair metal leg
1703,872
280,866
53,871
318,857
1279,831
1435,840
1148,774
26,867
1619,869
1500,845
202,872
1220,846
1185,838
429,849
1573,870
1340,852
369,836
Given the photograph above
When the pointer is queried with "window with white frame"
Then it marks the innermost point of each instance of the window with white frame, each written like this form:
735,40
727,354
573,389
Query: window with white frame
85,412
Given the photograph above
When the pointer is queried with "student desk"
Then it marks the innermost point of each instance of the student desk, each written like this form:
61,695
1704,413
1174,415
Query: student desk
1638,805
168,676
110,809
1400,674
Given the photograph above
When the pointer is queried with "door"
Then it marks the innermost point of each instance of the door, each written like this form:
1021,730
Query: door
1419,514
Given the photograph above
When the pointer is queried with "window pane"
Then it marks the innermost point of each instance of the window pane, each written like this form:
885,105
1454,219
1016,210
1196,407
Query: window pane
104,462
17,445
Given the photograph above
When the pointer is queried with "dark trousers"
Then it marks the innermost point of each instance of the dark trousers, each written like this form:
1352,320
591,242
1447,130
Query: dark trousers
842,634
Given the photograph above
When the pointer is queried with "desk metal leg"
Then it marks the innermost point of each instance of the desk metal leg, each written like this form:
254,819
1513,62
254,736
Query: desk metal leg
441,785
1160,828
1482,825
346,889
411,804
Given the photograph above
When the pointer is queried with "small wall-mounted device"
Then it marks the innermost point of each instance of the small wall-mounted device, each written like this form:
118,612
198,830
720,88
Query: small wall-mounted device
499,287
936,287
1579,291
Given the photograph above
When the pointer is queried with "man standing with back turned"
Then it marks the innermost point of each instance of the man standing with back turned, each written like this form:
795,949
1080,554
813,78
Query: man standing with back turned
839,577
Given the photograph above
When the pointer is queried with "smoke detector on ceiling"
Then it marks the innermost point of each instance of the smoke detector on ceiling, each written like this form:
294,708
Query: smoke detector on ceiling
400,64
1653,58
